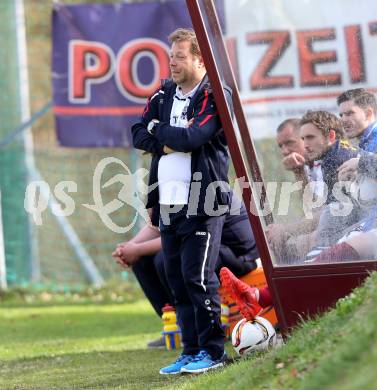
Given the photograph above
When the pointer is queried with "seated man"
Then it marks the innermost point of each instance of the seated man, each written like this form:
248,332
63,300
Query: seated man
325,151
358,112
293,160
359,242
291,147
238,252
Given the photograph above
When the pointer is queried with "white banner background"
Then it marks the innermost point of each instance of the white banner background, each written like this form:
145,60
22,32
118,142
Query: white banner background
266,108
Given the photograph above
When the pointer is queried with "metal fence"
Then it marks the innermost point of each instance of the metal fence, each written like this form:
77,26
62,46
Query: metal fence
67,251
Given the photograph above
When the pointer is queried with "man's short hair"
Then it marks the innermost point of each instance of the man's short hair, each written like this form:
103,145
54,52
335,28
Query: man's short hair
324,121
361,97
186,34
294,122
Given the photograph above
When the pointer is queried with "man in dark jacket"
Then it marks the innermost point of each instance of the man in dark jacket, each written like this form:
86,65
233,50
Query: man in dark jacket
358,112
325,150
181,128
322,133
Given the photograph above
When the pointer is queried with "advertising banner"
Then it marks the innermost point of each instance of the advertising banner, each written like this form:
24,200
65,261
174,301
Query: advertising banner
107,59
287,57
291,56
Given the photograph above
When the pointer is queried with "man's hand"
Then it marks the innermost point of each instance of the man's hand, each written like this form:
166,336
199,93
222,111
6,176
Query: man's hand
293,161
348,170
168,150
126,254
117,256
276,236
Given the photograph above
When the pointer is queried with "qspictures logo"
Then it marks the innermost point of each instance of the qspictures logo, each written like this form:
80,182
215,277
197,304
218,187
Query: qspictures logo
133,190
39,197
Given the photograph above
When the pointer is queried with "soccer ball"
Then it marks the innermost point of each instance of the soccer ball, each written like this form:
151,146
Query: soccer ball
254,335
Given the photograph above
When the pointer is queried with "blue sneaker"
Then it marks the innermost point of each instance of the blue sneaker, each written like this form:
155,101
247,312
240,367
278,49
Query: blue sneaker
203,362
175,368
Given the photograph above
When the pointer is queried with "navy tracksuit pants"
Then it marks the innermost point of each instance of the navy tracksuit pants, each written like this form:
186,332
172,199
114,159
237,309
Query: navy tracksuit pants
191,248
237,252
150,273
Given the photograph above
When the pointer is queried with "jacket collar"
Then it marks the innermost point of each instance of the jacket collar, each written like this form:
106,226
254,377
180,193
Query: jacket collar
169,83
330,157
372,128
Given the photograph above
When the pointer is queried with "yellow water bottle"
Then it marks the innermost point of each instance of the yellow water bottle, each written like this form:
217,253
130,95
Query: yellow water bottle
171,331
225,318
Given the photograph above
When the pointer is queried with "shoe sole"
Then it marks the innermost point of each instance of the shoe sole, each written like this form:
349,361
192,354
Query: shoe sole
200,370
170,373
228,284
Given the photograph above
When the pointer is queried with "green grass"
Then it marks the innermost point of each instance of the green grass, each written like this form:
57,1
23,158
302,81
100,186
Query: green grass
336,351
80,346
102,346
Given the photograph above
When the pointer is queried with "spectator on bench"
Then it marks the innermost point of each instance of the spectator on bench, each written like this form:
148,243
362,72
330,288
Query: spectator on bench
358,112
325,150
291,147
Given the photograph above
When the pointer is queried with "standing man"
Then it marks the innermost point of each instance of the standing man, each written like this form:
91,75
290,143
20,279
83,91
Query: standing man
180,126
326,150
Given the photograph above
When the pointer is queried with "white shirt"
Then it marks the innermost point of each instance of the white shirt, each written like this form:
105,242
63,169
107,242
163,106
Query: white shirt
315,178
174,169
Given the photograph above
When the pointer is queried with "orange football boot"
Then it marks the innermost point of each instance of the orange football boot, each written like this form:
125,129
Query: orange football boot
245,296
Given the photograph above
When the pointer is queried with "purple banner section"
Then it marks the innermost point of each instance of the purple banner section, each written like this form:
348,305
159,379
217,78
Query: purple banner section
107,59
